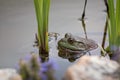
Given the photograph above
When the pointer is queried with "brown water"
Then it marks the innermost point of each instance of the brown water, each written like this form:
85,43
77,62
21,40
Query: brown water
18,27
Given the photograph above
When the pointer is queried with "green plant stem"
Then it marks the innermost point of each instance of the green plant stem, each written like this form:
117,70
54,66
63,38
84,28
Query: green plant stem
112,22
118,22
42,14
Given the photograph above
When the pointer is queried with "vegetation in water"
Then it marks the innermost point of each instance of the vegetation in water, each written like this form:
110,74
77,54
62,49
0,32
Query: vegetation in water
114,24
82,19
112,21
42,14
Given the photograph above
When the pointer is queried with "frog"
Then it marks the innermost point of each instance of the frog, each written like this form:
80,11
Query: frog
76,44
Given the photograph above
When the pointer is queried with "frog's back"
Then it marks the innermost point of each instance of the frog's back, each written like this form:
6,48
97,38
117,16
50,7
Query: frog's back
90,44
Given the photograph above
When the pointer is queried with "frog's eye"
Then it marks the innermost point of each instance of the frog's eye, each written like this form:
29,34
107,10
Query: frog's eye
71,40
67,35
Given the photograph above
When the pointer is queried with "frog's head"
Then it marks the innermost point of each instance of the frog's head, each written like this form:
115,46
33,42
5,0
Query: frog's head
69,42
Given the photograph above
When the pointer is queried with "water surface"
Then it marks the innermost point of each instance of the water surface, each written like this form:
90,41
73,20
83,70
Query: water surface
18,27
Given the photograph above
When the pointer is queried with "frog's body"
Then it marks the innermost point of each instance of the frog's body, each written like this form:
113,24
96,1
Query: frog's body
76,44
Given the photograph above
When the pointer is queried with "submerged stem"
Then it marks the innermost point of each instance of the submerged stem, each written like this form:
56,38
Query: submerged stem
105,33
82,19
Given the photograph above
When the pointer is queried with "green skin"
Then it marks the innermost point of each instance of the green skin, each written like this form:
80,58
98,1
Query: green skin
69,42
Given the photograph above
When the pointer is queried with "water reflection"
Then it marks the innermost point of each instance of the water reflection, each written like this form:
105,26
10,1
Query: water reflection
44,57
83,18
84,27
71,56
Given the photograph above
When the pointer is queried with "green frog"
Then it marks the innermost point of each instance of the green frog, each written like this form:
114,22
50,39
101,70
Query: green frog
76,44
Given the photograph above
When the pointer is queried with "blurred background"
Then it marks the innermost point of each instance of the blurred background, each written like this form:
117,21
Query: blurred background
18,25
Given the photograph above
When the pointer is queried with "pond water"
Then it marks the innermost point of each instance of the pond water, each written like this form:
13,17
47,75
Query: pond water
18,26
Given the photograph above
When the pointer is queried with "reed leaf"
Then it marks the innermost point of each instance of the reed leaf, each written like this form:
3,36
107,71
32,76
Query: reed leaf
118,21
112,22
42,14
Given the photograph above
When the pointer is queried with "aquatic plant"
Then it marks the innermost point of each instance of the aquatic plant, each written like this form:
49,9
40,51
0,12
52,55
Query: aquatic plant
114,24
42,14
31,68
82,19
113,11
